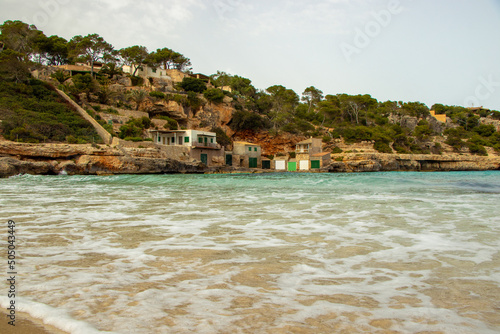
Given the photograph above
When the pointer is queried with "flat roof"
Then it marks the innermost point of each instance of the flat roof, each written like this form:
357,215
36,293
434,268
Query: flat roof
319,155
245,143
202,133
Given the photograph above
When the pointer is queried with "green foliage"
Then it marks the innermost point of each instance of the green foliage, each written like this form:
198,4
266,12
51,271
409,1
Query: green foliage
134,128
157,95
222,138
137,81
214,95
485,130
194,101
171,123
189,84
33,112
60,76
245,120
423,131
336,150
477,149
382,147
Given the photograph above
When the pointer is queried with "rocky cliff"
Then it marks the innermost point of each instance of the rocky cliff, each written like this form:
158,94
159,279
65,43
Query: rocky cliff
53,159
379,162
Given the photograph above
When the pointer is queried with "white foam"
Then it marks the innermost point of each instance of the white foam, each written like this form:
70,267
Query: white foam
58,318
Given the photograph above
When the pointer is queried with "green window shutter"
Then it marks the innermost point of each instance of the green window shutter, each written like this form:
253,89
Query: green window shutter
200,140
255,149
250,149
212,140
186,139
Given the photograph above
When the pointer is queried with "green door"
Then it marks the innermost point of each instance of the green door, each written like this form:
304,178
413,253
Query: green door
266,164
252,163
292,166
204,159
315,164
229,159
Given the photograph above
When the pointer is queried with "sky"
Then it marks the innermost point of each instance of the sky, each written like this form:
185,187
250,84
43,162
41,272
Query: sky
431,51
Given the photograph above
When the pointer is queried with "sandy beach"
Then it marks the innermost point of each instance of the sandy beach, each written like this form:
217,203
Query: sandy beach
26,325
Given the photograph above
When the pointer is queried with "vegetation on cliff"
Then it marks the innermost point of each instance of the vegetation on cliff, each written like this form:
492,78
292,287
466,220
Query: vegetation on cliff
32,111
392,126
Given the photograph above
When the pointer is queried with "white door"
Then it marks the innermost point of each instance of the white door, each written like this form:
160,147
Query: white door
280,165
304,165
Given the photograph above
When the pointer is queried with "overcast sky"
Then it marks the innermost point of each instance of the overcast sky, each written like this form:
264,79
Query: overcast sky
432,51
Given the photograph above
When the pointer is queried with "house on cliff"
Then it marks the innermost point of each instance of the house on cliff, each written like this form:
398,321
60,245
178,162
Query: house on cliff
199,145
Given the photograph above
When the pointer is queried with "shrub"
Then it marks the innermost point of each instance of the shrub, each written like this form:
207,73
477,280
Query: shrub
158,95
222,138
477,149
189,84
485,130
34,112
134,139
171,123
382,147
136,81
245,120
336,150
214,95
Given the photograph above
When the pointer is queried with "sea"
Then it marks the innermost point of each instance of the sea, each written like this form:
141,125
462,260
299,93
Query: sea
256,253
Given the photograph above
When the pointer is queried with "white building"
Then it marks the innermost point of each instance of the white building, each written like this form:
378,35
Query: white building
145,71
202,145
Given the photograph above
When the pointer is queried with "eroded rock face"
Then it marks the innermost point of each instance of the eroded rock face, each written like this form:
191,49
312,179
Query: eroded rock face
406,162
52,159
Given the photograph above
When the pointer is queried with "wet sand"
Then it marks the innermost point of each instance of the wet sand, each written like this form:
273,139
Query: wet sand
25,325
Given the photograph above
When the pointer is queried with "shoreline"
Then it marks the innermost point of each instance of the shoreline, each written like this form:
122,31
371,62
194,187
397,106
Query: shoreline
67,159
26,324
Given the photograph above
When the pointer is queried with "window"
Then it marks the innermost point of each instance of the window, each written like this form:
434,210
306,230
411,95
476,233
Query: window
154,70
186,139
255,149
212,140
249,149
200,140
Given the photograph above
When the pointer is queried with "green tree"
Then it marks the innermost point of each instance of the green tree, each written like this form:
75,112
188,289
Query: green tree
284,102
12,66
91,48
312,96
134,56
20,37
52,50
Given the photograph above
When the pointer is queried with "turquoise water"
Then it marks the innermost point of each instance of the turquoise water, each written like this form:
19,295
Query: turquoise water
270,253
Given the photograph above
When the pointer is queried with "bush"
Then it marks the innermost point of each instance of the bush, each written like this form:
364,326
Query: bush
485,130
136,81
222,138
34,112
336,150
134,127
158,95
171,123
382,147
245,120
477,149
214,95
134,139
189,84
